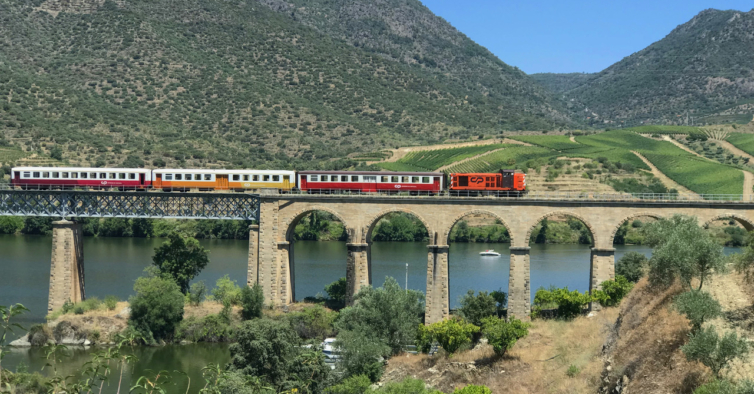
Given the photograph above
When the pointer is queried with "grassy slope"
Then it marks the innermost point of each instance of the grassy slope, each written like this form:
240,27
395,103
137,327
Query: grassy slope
742,141
434,159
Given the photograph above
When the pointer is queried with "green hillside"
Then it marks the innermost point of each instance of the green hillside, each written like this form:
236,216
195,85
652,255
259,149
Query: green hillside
561,83
215,83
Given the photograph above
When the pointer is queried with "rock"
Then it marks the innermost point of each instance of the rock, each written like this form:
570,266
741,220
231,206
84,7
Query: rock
87,342
591,314
433,371
185,342
609,368
21,342
124,313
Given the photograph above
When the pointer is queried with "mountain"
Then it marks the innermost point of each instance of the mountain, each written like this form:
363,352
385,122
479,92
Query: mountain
702,71
249,83
561,83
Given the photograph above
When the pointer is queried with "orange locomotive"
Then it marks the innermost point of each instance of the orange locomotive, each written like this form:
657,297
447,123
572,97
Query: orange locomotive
483,183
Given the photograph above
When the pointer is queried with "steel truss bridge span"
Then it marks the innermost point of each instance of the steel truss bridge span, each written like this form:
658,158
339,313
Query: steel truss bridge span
112,204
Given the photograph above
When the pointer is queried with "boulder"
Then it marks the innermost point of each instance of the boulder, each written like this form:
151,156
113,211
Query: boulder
124,313
21,342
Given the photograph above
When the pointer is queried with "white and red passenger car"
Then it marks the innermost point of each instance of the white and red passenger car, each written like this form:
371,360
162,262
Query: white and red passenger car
371,181
71,177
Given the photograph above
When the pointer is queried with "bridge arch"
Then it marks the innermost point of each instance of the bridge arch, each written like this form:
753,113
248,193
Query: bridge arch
366,234
746,223
446,234
290,224
630,217
589,226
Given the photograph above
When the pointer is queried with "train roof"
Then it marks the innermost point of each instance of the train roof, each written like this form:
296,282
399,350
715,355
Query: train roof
215,171
370,173
80,169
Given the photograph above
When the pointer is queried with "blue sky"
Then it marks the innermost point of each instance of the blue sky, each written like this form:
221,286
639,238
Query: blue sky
570,36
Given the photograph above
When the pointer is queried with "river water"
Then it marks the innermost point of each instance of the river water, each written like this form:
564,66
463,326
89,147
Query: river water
112,265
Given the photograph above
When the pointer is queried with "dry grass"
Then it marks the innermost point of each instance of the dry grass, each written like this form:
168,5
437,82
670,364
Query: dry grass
537,364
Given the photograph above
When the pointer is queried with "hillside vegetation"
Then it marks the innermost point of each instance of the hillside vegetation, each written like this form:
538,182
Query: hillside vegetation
195,83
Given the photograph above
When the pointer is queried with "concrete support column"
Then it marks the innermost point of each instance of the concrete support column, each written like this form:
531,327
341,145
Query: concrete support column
67,265
252,272
267,267
519,288
285,278
602,268
358,269
438,294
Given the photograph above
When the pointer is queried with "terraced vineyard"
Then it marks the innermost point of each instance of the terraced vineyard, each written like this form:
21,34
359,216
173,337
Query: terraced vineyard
698,174
11,155
434,159
742,141
514,156
665,130
557,142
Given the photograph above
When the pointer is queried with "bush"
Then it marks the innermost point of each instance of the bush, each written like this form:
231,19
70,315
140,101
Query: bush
314,322
197,293
475,308
572,371
472,389
353,385
708,348
407,386
361,354
180,258
11,224
226,290
337,290
211,328
569,303
452,334
157,307
631,266
716,386
252,301
698,307
502,335
613,291
111,302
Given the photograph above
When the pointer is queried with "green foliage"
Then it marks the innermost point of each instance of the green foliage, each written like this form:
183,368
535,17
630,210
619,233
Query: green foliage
358,384
569,304
180,258
473,389
722,386
502,335
682,250
698,307
399,227
573,371
713,351
361,354
337,290
452,334
632,266
210,328
320,226
37,225
252,301
157,307
408,385
197,293
475,308
111,302
11,224
430,160
389,314
494,161
557,142
226,291
613,291
496,233
271,350
742,141
313,322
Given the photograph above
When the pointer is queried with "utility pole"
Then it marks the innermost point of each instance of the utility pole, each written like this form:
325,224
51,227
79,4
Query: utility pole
406,278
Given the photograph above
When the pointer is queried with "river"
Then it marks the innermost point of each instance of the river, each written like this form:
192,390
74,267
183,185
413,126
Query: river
112,265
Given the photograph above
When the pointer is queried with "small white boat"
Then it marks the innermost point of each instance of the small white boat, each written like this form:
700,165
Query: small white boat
489,252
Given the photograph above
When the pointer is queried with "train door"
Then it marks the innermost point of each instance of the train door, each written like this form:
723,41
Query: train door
157,183
437,187
370,183
141,179
507,179
286,182
222,182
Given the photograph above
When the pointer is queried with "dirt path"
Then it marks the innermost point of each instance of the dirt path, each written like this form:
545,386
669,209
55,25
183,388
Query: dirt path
573,139
732,148
737,315
468,159
401,152
748,185
680,145
669,183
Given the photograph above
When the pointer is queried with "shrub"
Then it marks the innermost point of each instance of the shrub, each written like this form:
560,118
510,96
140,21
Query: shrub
111,302
337,290
569,303
197,293
472,389
361,355
501,298
708,348
452,334
408,385
313,322
226,290
157,307
698,307
353,385
211,328
180,258
502,335
252,301
716,386
613,291
631,266
475,308
572,371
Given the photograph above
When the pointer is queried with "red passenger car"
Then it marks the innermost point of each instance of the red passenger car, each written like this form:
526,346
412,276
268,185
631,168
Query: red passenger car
483,183
71,177
371,181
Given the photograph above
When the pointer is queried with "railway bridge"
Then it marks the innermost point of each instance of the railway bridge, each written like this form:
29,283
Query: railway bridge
271,261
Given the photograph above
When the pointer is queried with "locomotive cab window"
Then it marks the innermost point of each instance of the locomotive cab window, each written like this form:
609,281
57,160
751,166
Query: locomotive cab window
276,178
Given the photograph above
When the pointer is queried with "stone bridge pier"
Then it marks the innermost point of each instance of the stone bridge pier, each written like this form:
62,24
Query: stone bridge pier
67,265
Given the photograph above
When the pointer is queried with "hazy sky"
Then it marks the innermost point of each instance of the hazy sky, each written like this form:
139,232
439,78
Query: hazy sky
567,35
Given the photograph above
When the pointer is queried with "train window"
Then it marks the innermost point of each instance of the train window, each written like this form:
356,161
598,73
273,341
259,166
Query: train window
132,176
344,178
45,175
178,177
354,178
383,179
189,177
404,179
393,179
112,176
236,177
102,175
56,175
245,178
276,178
84,175
313,178
266,178
425,179
325,178
207,177
64,175
74,175
93,175
36,174
255,178
414,179
121,176
168,177
198,177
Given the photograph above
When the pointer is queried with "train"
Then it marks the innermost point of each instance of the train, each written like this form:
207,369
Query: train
504,182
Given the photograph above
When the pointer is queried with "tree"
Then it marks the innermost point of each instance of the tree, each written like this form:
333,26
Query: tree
708,348
252,301
11,224
271,349
226,291
542,235
56,153
502,335
475,308
501,298
612,291
337,290
361,354
353,385
450,333
388,313
142,228
37,225
180,258
157,307
631,266
698,307
682,250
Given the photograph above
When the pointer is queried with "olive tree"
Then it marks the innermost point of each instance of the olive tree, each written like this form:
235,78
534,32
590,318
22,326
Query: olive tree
698,307
707,347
